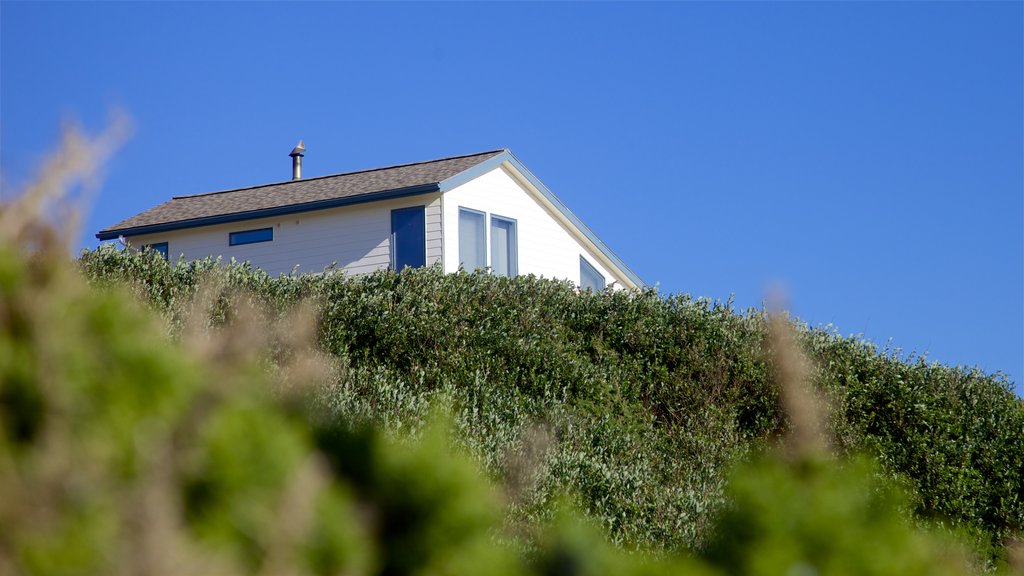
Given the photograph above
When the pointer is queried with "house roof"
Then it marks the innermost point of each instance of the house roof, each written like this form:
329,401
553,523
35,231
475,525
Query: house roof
344,189
295,196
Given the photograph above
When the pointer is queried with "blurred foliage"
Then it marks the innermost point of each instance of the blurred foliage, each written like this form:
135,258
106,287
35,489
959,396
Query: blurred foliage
816,516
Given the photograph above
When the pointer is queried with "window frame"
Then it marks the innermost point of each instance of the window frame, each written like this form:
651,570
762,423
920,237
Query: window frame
161,247
393,248
585,265
238,238
484,240
513,244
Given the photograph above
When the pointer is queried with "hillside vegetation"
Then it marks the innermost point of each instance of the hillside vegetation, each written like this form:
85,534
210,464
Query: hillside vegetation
635,405
236,448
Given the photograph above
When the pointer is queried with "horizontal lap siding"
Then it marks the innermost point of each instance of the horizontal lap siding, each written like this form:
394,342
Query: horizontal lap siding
435,231
356,238
545,247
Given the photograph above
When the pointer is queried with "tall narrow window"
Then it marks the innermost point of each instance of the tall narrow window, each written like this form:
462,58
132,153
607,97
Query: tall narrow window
408,238
590,277
472,241
504,252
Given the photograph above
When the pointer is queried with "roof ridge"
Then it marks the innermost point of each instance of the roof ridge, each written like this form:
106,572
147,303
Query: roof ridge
495,151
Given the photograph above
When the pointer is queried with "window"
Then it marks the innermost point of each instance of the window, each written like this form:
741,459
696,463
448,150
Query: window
160,247
504,253
408,238
472,239
590,277
251,236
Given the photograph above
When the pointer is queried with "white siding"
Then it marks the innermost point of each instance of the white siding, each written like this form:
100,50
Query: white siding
546,248
357,238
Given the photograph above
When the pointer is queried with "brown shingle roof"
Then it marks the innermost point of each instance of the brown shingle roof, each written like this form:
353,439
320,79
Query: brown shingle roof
299,192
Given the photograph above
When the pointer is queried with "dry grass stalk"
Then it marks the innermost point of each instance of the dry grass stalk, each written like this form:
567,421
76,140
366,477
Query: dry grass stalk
28,220
155,540
524,463
807,434
1015,555
33,491
297,508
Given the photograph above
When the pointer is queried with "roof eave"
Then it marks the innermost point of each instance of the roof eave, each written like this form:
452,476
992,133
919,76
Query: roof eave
114,233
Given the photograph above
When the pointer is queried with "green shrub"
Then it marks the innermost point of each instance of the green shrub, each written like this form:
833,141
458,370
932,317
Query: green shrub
648,399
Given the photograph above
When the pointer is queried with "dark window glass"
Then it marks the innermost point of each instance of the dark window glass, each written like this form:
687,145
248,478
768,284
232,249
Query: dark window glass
504,253
590,277
160,247
251,236
408,238
472,244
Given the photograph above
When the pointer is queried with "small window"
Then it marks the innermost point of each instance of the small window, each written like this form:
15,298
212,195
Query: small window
590,277
472,241
160,247
504,252
250,236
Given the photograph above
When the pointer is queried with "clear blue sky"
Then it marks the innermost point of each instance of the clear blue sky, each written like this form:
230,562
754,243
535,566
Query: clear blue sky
869,156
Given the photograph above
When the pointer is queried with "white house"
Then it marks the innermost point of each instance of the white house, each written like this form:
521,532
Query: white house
483,210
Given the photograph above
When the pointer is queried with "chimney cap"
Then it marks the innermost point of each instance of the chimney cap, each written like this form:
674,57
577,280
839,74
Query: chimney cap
299,150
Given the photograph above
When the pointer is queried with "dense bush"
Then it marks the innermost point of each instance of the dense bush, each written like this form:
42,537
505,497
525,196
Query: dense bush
123,451
636,403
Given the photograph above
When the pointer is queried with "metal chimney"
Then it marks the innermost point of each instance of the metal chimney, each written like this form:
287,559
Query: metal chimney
297,153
